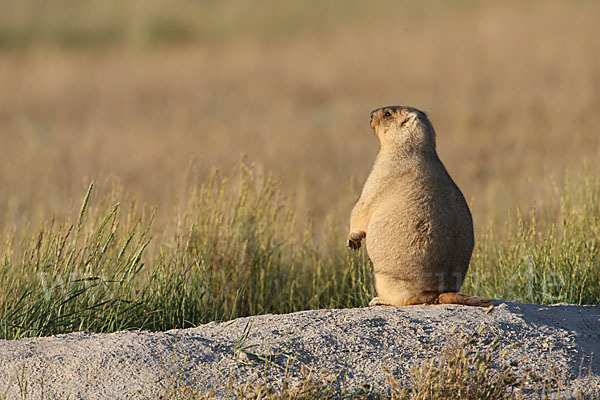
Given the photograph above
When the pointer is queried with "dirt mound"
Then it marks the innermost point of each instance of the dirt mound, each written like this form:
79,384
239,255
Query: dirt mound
355,343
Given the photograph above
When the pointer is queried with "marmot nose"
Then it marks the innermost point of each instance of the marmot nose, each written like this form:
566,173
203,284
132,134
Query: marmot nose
374,119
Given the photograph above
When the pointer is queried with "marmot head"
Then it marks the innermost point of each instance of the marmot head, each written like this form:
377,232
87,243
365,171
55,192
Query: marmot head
403,129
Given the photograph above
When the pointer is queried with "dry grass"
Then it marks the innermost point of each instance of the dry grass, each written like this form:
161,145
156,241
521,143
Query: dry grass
233,252
145,99
138,90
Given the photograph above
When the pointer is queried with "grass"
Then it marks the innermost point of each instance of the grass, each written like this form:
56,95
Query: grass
542,262
235,252
97,25
238,254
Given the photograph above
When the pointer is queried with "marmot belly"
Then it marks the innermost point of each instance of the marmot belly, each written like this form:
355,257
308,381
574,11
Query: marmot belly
420,246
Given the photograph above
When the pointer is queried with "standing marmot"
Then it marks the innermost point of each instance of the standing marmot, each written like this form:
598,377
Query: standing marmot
416,222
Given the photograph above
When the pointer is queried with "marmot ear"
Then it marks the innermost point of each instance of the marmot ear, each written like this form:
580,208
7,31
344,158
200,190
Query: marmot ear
407,118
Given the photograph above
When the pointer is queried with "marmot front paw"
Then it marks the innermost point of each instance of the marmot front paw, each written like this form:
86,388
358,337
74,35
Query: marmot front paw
354,240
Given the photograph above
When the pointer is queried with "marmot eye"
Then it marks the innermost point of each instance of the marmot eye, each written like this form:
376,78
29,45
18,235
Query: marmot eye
387,114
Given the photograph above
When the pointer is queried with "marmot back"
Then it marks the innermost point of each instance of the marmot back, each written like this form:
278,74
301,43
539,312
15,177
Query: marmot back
417,225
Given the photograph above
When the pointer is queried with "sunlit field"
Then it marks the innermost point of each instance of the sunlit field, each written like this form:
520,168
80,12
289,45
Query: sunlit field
227,142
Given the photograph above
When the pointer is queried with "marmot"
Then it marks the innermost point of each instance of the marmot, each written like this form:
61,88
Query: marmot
417,225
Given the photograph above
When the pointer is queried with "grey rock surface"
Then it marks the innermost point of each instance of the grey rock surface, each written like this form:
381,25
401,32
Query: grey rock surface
355,343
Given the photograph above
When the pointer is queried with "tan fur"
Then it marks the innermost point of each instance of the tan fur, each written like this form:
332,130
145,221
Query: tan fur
416,222
459,298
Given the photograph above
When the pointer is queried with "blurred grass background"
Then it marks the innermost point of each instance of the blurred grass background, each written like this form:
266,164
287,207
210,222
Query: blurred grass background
140,89
146,98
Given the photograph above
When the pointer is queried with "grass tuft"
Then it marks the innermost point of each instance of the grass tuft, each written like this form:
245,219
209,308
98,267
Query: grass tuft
236,254
543,261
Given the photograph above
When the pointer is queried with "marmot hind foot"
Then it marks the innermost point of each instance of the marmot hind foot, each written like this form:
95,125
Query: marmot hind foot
376,301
